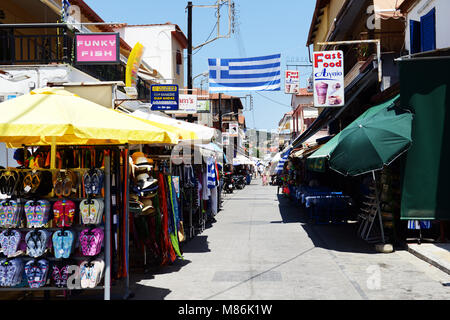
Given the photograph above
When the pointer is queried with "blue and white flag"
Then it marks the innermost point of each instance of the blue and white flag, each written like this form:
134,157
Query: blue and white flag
245,74
65,10
283,159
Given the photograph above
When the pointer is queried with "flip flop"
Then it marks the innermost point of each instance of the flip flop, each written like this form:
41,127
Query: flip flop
68,238
86,274
58,184
58,246
59,274
99,267
29,212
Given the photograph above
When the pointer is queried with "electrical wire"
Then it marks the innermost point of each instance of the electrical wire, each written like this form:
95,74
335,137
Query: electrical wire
274,101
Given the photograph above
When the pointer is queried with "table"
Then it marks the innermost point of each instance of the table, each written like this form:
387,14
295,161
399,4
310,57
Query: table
332,207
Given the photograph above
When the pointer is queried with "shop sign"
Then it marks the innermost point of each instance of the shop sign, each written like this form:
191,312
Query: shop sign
97,48
203,106
187,104
233,129
164,97
292,82
328,79
133,63
225,138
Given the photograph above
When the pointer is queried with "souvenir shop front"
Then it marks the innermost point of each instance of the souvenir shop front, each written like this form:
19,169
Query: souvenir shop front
64,211
173,197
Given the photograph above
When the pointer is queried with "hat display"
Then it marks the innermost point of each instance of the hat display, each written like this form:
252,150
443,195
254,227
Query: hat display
140,160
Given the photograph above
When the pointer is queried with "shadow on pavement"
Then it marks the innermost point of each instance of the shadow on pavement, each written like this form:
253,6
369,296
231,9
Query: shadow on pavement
197,244
337,237
148,292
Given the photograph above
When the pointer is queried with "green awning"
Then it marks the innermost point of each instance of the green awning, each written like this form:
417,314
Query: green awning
317,161
425,89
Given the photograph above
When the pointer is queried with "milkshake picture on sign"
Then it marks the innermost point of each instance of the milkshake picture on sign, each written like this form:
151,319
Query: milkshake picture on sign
328,75
321,90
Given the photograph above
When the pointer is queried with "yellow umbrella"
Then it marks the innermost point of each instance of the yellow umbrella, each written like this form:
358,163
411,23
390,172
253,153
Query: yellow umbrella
35,118
55,116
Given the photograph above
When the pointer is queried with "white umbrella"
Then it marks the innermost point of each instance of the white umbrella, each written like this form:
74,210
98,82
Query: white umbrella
206,134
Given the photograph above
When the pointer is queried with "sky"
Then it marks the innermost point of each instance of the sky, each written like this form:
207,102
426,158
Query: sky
264,27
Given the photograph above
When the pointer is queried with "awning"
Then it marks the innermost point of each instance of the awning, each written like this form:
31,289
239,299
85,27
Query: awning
242,160
317,161
425,90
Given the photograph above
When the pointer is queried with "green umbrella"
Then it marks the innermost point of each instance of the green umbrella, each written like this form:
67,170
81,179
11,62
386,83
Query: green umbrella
370,143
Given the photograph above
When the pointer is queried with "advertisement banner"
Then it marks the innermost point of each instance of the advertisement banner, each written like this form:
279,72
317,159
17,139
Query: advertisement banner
292,82
203,106
133,63
329,79
187,104
97,48
233,129
164,97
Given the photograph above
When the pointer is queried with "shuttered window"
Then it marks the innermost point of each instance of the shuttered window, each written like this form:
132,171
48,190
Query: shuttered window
428,31
414,32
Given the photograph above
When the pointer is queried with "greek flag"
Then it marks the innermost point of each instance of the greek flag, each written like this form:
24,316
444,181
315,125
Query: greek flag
245,74
65,10
283,159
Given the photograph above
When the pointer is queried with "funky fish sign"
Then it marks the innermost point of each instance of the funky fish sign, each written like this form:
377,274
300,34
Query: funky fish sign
97,48
329,79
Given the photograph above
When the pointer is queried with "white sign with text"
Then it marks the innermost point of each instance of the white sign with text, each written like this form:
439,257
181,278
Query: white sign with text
329,79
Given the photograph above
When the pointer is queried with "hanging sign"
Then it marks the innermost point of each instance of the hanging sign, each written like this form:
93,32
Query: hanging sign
292,82
233,129
164,97
187,104
203,106
329,79
225,138
97,48
133,63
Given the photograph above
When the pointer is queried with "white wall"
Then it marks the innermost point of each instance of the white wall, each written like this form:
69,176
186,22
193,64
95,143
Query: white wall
442,20
160,49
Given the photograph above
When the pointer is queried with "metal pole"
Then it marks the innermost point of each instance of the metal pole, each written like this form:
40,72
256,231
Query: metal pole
378,207
107,293
189,66
127,225
220,111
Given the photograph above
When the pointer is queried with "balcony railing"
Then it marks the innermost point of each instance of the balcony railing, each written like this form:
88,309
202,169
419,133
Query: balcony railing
35,44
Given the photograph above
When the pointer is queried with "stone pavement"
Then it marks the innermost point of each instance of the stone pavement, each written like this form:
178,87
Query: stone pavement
436,254
262,248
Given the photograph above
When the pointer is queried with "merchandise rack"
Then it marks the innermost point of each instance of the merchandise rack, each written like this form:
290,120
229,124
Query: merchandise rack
107,224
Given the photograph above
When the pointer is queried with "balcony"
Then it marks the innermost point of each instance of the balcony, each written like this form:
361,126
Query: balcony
36,44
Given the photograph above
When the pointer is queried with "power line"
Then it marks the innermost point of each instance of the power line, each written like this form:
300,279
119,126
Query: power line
281,104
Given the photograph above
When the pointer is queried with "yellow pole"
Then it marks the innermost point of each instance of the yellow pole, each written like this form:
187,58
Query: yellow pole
53,154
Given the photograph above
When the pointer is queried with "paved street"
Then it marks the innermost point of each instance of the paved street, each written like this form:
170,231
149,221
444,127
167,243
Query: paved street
262,248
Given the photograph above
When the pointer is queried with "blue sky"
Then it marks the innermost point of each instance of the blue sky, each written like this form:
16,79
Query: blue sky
265,27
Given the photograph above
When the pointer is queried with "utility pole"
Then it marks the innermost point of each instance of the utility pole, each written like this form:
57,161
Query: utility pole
220,112
189,66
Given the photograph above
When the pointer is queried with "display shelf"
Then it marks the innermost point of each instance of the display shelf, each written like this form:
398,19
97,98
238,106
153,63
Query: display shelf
47,289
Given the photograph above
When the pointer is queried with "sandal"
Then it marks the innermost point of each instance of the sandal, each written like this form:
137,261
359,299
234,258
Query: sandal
58,184
69,183
27,182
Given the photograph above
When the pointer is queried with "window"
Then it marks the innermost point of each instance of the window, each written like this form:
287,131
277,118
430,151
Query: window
423,33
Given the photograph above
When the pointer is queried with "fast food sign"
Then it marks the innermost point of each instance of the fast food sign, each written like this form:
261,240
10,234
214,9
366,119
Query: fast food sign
329,79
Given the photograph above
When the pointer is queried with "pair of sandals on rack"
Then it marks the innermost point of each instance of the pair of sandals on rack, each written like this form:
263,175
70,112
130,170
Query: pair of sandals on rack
91,273
9,182
36,272
10,213
37,213
11,272
64,183
37,182
93,181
